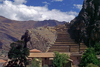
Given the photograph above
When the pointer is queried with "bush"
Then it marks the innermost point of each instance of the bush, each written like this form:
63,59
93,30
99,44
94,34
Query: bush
89,57
60,60
97,48
92,65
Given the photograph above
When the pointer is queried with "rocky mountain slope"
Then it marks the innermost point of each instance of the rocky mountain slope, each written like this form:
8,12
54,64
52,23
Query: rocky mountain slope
41,37
11,30
88,20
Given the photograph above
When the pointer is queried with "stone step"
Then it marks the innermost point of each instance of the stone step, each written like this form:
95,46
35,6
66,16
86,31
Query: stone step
63,35
74,49
77,46
68,36
82,46
65,43
59,47
59,50
82,50
64,38
62,29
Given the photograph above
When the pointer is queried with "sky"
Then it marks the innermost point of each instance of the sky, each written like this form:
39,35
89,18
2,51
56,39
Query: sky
39,10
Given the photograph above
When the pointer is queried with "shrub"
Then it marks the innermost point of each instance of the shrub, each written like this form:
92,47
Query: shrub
89,57
60,60
92,65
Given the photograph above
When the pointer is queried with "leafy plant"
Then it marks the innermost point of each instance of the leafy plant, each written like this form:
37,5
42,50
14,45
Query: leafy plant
92,65
89,57
60,60
97,48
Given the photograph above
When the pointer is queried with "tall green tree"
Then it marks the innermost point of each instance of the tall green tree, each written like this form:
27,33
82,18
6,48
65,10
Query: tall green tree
18,55
89,57
60,60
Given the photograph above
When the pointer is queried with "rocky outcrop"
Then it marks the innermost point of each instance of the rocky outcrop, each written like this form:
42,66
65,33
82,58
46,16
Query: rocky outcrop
41,38
87,20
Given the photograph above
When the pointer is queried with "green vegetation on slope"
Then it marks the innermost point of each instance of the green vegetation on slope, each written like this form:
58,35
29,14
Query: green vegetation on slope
18,55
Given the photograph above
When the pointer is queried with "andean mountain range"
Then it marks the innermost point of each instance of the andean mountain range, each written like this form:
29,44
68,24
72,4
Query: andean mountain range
11,30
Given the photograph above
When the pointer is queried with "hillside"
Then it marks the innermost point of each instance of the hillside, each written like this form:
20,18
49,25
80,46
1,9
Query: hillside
87,24
11,30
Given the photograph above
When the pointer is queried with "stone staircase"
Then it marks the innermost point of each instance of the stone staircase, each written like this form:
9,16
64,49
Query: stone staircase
64,43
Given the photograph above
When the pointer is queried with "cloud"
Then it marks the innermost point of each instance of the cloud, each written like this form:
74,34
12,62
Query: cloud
1,0
46,3
22,12
57,0
78,6
19,1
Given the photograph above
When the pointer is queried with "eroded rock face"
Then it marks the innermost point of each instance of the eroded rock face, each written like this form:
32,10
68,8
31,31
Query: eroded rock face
41,38
89,17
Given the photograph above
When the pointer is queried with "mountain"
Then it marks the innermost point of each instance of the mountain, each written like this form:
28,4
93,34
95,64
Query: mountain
11,30
87,22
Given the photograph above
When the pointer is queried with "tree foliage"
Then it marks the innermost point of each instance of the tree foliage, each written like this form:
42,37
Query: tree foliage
89,57
97,48
18,55
60,60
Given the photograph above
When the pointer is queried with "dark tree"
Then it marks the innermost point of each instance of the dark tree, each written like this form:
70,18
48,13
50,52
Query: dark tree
26,38
18,55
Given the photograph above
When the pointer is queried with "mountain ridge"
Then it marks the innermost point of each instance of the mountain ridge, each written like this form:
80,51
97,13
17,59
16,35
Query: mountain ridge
11,30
